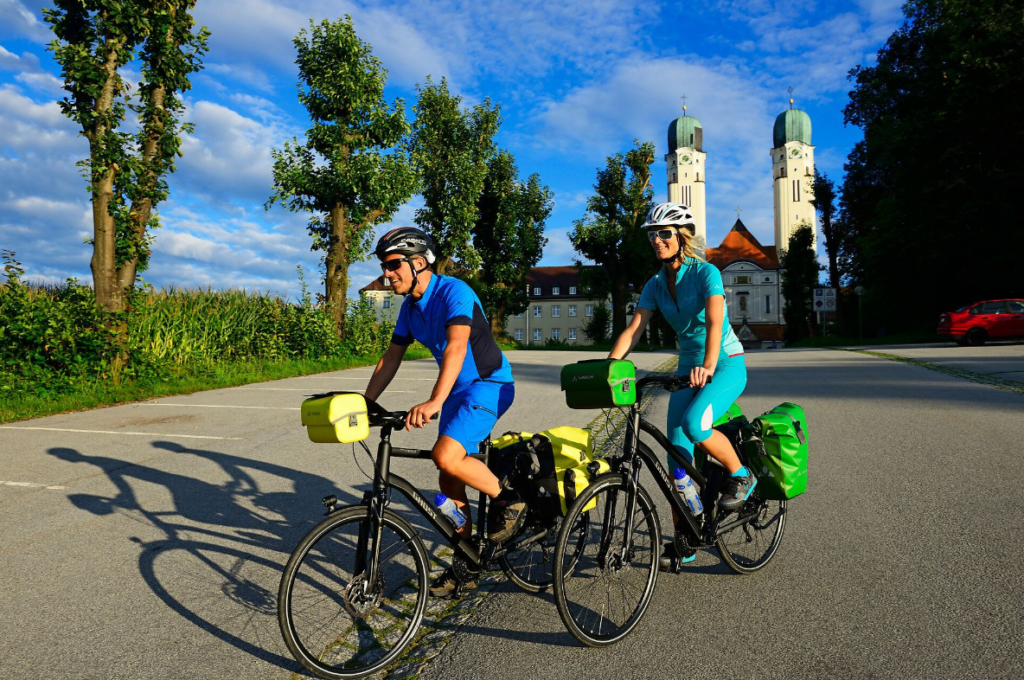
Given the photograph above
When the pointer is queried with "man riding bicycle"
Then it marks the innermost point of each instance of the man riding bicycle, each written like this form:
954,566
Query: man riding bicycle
474,387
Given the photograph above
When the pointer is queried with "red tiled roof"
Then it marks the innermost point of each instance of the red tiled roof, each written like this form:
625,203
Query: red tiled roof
376,284
739,244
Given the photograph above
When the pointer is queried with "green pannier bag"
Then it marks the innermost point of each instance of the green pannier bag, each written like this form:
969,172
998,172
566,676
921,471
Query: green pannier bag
599,383
781,464
734,413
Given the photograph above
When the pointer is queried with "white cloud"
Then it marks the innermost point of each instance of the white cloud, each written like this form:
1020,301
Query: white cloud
21,21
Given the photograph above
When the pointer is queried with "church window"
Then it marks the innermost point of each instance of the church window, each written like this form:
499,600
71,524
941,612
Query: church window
767,304
767,279
741,279
796,191
691,139
675,178
698,176
743,303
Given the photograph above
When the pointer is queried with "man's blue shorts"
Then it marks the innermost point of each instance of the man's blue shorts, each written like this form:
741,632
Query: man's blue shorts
469,415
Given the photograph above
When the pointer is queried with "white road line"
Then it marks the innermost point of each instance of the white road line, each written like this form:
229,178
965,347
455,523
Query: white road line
260,408
343,377
308,390
138,434
32,485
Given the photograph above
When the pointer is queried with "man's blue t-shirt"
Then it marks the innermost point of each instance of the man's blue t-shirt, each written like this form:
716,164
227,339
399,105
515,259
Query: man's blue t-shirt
696,281
448,302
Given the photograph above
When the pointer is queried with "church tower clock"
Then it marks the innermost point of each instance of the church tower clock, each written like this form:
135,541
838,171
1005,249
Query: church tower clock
685,161
792,175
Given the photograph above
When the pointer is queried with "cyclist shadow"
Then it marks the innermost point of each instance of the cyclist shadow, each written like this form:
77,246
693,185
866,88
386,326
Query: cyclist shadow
219,561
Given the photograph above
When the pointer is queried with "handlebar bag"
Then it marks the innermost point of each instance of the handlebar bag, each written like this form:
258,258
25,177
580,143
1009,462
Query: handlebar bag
599,383
781,464
336,418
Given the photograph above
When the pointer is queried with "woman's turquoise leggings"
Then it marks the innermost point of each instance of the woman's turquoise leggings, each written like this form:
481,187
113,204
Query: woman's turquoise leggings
691,412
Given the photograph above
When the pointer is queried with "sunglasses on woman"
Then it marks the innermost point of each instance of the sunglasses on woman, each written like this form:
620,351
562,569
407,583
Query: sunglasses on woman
663,234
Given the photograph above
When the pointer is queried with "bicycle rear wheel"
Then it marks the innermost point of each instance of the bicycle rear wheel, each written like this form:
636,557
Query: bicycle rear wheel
336,624
531,567
603,586
749,547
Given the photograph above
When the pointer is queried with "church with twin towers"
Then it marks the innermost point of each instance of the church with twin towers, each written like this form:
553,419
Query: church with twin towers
750,270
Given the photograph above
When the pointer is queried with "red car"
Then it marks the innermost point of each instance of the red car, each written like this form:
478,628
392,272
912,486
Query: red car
981,321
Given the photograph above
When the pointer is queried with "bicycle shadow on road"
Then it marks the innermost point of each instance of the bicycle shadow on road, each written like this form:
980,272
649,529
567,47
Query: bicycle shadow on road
224,546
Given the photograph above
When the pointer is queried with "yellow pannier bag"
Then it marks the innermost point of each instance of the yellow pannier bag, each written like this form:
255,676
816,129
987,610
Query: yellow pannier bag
571,446
336,418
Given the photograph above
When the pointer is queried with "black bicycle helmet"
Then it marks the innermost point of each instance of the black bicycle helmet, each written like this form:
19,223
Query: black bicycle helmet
406,241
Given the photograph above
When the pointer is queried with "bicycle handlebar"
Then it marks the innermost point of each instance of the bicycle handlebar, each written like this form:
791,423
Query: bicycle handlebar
670,383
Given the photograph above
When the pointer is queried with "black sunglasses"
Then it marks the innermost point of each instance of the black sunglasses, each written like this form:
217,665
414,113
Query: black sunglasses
393,265
663,234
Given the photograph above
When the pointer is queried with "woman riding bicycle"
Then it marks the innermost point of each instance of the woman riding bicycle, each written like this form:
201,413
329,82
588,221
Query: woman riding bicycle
689,293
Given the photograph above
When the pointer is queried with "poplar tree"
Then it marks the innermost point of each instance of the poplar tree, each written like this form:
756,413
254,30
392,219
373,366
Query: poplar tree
346,172
799,274
509,236
450,147
611,233
125,171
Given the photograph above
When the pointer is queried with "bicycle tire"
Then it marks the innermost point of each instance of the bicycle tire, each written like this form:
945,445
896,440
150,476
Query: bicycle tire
328,625
579,576
531,568
750,547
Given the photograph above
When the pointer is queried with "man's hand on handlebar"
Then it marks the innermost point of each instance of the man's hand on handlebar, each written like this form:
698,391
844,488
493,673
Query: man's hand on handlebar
420,415
699,376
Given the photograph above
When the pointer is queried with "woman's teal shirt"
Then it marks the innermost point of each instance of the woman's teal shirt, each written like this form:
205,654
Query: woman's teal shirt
696,281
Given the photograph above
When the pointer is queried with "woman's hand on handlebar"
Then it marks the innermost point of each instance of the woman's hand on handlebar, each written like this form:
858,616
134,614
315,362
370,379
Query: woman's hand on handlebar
700,376
420,415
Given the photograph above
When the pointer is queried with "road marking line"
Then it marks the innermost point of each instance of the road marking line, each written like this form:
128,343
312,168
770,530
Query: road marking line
343,377
138,434
260,408
303,389
32,485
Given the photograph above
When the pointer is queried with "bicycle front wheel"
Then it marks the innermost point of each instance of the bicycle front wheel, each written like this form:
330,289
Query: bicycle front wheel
602,583
335,623
750,546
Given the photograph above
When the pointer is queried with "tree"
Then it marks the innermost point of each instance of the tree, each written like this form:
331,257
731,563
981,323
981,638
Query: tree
509,236
823,192
611,233
125,171
346,172
449,148
799,274
934,180
596,330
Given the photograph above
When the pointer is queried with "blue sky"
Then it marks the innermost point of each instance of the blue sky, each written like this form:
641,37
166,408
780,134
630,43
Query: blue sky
577,81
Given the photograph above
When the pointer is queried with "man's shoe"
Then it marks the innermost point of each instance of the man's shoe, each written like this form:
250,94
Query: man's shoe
507,515
448,585
735,490
670,559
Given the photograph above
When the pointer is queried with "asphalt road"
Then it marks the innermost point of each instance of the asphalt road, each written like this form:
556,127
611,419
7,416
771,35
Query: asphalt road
147,540
149,543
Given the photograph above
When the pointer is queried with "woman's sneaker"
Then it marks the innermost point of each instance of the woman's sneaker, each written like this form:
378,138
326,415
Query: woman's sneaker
735,490
448,584
507,515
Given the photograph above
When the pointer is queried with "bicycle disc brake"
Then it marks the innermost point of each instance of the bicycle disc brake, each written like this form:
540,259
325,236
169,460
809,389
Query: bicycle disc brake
358,602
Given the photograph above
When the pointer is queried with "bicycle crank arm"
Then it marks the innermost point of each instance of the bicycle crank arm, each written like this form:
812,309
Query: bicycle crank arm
723,529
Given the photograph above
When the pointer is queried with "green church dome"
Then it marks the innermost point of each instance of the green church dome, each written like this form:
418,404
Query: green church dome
791,126
685,131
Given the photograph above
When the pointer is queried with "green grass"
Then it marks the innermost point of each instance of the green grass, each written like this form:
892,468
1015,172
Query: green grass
908,338
94,395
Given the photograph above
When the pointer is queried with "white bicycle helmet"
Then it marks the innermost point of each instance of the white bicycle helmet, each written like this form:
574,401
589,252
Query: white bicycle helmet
671,215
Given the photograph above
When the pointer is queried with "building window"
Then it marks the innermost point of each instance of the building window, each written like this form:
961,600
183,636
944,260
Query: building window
387,302
572,310
741,279
572,333
556,290
590,310
767,279
796,191
537,335
556,311
536,312
743,303
572,290
698,176
519,335
519,315
536,290
767,304
556,333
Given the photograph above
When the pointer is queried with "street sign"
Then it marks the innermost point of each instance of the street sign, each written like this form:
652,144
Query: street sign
824,299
